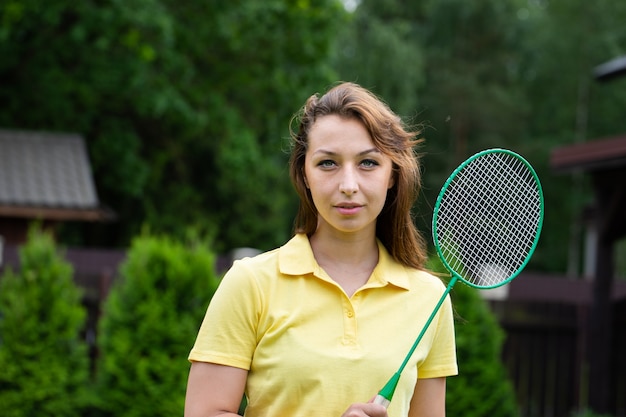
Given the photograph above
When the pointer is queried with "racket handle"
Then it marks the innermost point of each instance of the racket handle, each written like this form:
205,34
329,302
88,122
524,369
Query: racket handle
379,399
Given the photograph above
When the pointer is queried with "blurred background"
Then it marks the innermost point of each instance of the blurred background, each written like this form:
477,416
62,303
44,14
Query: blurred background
120,118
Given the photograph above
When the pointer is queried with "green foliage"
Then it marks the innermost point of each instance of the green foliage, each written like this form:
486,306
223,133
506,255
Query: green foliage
149,322
43,360
248,67
482,387
472,96
381,50
170,95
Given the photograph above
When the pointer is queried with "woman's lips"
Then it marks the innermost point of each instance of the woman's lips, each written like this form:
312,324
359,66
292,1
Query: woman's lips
348,209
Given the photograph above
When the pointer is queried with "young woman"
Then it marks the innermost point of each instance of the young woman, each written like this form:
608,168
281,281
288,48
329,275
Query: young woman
317,326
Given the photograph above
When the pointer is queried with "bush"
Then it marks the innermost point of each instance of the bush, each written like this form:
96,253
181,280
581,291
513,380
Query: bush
44,367
482,387
149,323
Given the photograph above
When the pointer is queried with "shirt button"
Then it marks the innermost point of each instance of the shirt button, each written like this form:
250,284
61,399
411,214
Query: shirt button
350,314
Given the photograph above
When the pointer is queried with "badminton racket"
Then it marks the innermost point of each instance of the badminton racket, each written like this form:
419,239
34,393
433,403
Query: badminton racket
486,225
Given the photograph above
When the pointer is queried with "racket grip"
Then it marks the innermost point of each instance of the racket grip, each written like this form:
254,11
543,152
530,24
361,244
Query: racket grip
379,399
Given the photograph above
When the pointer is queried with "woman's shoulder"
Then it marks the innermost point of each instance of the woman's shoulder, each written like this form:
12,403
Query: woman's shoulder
426,278
408,276
250,273
255,261
295,257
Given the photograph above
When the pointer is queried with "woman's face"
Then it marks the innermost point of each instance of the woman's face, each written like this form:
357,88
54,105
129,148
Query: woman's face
347,175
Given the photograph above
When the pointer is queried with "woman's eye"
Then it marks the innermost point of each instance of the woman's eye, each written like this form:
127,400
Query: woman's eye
327,163
369,163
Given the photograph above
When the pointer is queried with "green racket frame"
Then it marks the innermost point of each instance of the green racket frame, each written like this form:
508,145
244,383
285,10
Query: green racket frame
457,274
386,393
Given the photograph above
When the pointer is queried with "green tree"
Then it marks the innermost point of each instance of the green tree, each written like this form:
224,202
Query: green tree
148,325
185,104
251,64
43,358
381,50
472,96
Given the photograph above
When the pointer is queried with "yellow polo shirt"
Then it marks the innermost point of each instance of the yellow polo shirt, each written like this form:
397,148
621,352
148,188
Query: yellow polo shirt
309,348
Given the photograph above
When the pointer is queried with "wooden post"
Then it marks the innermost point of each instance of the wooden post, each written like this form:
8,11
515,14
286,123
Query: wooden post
599,329
609,199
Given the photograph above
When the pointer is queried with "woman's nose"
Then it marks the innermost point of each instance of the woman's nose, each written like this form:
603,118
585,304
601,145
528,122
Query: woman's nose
349,184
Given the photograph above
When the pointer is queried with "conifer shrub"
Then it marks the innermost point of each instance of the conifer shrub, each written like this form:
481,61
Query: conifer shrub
482,388
44,365
149,323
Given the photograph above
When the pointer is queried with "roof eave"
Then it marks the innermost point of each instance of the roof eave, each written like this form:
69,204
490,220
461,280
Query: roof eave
601,154
96,214
611,69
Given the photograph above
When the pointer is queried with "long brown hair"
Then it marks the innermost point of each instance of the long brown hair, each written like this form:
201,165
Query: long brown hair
394,227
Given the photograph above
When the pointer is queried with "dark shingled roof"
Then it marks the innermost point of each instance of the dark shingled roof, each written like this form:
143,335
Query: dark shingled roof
46,171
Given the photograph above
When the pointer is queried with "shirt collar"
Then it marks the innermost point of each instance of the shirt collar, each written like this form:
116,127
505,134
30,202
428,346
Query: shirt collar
296,258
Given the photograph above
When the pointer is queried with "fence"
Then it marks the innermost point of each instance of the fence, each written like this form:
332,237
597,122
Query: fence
545,320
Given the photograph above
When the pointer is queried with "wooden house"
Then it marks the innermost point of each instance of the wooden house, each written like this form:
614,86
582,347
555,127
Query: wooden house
45,177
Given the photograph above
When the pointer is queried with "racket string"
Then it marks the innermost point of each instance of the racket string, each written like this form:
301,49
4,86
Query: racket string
486,232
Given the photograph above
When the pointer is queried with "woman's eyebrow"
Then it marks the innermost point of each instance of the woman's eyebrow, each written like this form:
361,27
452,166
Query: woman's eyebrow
332,153
373,150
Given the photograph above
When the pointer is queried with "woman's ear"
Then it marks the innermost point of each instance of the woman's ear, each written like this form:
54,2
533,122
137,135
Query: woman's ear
392,181
306,183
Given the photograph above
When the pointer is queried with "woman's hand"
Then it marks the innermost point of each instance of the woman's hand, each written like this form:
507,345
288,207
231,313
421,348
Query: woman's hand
365,410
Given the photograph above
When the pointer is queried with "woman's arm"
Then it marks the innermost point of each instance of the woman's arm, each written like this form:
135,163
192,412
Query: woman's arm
429,398
214,390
